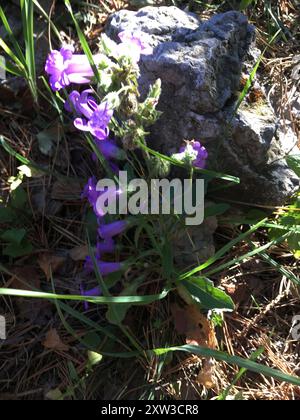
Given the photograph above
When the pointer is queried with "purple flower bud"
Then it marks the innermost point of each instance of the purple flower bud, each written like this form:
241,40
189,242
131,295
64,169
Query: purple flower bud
65,67
113,229
96,291
107,246
110,150
105,268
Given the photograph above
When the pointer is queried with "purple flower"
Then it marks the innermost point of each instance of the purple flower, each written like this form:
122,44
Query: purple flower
65,67
105,268
133,45
97,117
193,152
92,193
107,246
110,150
96,291
113,229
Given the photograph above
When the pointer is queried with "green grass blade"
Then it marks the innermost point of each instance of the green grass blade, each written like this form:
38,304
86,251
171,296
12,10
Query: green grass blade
250,254
245,3
252,77
13,56
28,33
83,41
222,251
47,17
10,68
240,374
12,38
134,300
234,360
289,275
175,162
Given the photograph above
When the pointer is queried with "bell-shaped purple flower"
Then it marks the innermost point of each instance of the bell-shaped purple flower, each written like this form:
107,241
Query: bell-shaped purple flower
105,268
65,67
93,194
193,152
90,191
113,229
133,45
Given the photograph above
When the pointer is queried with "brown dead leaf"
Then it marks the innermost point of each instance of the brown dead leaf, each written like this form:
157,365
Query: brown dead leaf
198,332
205,376
79,253
195,326
50,263
53,341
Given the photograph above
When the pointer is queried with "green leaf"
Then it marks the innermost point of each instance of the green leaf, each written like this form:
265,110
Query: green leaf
14,236
18,199
92,340
47,139
245,3
294,163
17,251
116,314
216,210
204,293
7,215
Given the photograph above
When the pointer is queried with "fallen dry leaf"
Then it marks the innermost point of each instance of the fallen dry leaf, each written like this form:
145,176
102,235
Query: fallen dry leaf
50,263
53,341
195,326
79,253
198,332
206,375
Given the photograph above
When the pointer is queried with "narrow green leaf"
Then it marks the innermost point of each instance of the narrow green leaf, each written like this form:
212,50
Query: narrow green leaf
134,300
222,251
235,360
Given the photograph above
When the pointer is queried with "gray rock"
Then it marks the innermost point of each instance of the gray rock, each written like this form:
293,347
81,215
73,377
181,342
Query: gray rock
200,66
195,245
